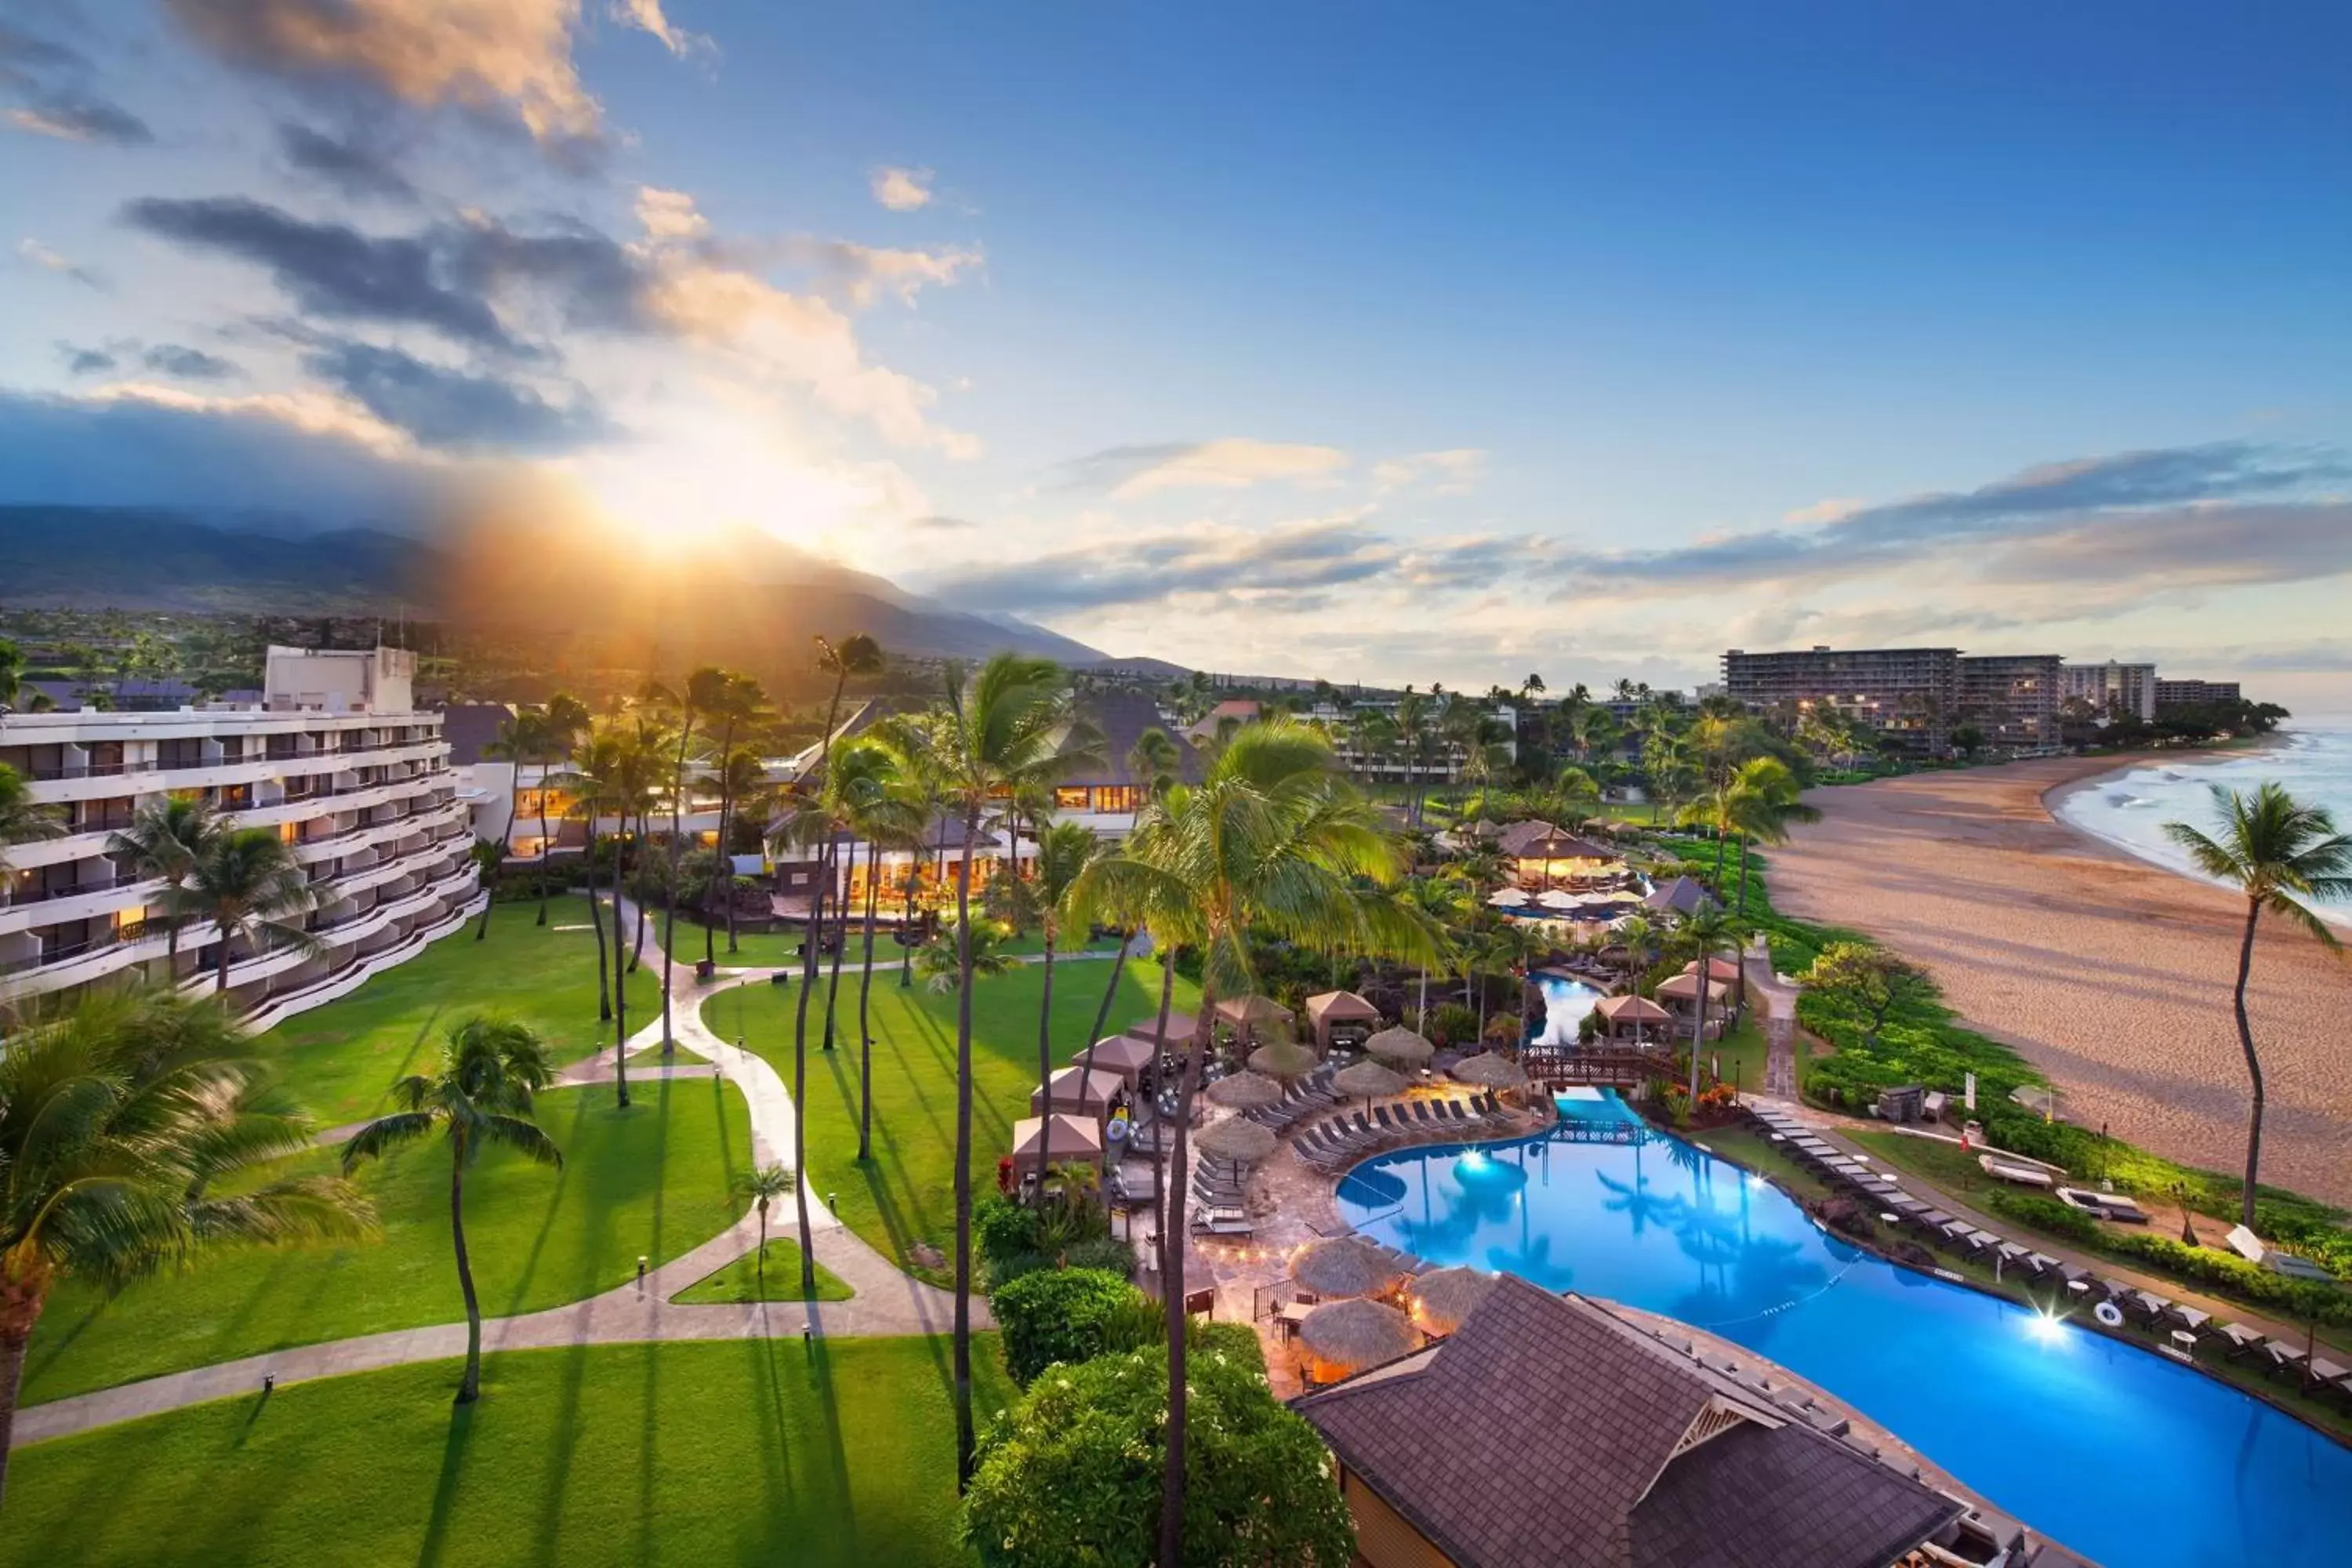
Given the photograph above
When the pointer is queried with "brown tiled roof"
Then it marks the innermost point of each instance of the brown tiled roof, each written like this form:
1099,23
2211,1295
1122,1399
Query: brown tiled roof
1542,841
1543,1433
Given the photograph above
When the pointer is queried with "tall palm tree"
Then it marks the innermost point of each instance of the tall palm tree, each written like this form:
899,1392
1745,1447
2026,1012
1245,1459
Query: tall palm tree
888,817
636,782
520,738
1764,803
478,1096
166,837
996,729
1064,852
743,782
707,690
1273,839
247,884
1705,932
1155,765
119,1114
764,1186
855,782
12,670
2278,852
561,723
582,780
737,704
940,960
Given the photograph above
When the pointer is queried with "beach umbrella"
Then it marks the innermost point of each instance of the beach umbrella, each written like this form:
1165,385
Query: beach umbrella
1367,1080
1443,1297
1507,899
1235,1138
1348,1336
1489,1071
1400,1046
1280,1058
1556,900
1245,1090
1343,1265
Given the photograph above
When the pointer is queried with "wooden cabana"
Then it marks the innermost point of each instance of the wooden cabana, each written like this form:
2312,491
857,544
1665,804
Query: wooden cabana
1181,1027
1076,1139
1630,1017
1718,969
1340,1018
1248,1015
1681,993
1078,1092
1125,1055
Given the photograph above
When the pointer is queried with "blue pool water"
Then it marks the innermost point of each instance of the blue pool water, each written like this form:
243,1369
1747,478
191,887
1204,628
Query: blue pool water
1566,1002
2116,1452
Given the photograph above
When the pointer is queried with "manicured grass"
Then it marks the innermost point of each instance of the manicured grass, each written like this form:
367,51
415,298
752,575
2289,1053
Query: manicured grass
905,1197
835,1455
741,1280
1742,1053
781,949
340,1059
657,1179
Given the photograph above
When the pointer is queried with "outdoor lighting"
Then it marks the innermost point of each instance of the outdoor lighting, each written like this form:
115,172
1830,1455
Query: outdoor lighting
2047,1328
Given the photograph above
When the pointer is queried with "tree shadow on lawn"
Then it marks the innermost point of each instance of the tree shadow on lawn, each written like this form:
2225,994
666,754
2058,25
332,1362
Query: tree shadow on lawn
610,1185
445,1489
563,1439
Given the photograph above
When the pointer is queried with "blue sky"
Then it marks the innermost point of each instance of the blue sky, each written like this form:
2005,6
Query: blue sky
1381,341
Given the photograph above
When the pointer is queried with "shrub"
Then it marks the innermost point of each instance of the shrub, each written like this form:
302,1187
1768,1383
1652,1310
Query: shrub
1004,1232
1453,1026
2046,1215
1052,1315
1070,1476
2295,1299
1109,1253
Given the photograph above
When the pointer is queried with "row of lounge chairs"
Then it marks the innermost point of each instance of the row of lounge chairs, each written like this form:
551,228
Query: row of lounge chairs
1310,1095
1332,1145
1220,1190
2187,1329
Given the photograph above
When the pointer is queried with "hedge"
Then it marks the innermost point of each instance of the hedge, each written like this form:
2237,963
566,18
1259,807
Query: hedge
1057,1315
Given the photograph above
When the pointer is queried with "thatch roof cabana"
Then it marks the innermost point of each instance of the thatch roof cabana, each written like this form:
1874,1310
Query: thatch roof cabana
1349,1014
1122,1054
1489,1071
1245,1090
1400,1046
1343,1265
1235,1138
1280,1058
1076,1139
1367,1080
1078,1092
1347,1336
1443,1297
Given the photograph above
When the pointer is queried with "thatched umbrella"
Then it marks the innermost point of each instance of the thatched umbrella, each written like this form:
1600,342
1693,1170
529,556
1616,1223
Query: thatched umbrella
1280,1058
1347,1336
1443,1297
1489,1071
1367,1080
1245,1090
1235,1138
1400,1046
1343,1265
1506,897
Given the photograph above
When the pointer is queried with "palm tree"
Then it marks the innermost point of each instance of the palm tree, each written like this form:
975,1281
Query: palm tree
521,737
1154,766
857,782
1272,840
996,730
479,1095
1064,852
249,884
561,723
583,780
166,837
743,786
764,1186
119,1114
1574,794
1705,932
940,960
12,669
889,816
2278,852
1764,803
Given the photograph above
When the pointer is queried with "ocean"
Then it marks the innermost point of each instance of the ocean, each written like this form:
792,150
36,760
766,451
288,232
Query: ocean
2128,809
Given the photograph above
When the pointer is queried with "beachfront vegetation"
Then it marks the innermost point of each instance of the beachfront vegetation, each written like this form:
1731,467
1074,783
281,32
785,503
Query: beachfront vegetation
2277,852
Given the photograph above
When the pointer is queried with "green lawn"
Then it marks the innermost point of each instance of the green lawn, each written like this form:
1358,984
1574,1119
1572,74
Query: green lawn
657,1179
780,949
339,1058
741,1280
750,1452
1743,1052
905,1196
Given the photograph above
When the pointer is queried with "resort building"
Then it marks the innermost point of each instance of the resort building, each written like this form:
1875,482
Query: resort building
2110,688
1547,1432
2186,693
2012,698
335,757
1908,696
1540,856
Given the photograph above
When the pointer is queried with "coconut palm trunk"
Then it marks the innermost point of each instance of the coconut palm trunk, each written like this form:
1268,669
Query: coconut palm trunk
1171,1279
470,1387
2253,1065
864,1029
1045,1054
799,1077
538,868
841,941
490,894
906,921
596,923
1698,1017
637,862
962,1354
621,995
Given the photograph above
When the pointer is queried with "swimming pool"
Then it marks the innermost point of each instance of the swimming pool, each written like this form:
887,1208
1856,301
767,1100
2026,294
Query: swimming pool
1566,1002
2116,1452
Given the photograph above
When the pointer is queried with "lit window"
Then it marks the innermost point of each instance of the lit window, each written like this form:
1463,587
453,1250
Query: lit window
1070,797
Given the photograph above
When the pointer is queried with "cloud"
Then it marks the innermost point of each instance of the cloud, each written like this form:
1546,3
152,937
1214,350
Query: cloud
1232,463
902,190
188,365
646,16
934,523
1452,472
2181,547
450,410
496,57
864,273
85,362
52,86
42,256
356,172
1236,564
2046,498
669,215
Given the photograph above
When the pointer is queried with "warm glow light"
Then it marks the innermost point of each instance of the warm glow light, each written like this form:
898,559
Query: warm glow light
2046,1327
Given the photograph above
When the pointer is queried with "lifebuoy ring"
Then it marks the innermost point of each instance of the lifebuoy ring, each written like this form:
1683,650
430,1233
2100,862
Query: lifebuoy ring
2109,1313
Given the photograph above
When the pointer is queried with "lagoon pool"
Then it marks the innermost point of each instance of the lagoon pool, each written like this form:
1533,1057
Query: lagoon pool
1566,1002
2114,1451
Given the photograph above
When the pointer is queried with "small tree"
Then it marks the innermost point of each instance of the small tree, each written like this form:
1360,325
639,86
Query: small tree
1053,1315
764,1186
1870,980
1069,1477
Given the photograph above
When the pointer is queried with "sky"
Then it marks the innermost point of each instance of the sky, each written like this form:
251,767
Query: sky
1376,341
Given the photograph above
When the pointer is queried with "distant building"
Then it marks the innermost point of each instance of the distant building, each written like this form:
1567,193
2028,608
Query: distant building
1549,1433
2013,699
2195,693
2112,689
334,758
1908,695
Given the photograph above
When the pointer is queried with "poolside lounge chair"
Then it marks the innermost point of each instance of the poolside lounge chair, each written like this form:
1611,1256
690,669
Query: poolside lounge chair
2115,1290
2145,1306
2324,1373
1981,1240
2188,1318
2041,1263
2241,1339
1934,1219
2011,1255
1421,1117
2278,1356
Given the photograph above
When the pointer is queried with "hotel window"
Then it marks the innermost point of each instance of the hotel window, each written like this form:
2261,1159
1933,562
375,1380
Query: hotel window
1117,798
1070,797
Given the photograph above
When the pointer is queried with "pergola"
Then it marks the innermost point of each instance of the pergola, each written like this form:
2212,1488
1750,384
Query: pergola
1181,1030
1681,992
1079,1091
1125,1055
1340,1017
1626,1016
1248,1014
1077,1139
1722,969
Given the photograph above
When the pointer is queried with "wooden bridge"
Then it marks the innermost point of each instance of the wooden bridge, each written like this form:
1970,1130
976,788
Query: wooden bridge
1594,1067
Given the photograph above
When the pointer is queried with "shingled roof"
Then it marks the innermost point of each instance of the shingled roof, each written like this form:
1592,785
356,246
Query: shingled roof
1547,1433
1538,840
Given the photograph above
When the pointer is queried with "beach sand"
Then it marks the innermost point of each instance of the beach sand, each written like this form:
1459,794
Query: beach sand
2110,974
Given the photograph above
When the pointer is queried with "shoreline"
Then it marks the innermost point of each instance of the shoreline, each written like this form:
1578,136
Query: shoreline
2109,973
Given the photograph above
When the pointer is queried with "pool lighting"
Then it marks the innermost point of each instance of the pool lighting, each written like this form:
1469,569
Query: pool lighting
2047,1328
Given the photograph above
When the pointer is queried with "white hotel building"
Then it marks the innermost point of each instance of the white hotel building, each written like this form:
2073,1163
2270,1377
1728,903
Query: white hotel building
336,758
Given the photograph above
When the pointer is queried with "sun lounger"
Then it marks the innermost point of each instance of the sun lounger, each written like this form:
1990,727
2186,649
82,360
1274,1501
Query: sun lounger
1982,1240
2189,1318
2145,1306
2239,1339
1421,1116
2041,1263
2115,1290
2011,1255
2324,1373
2277,1356
1934,1219
1226,1227
1380,1118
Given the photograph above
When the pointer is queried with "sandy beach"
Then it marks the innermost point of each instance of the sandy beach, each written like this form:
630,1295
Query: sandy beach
2110,974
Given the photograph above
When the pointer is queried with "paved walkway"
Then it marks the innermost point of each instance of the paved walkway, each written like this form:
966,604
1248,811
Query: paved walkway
887,1301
